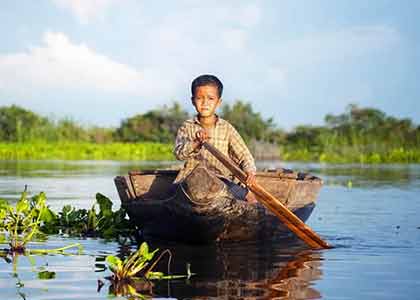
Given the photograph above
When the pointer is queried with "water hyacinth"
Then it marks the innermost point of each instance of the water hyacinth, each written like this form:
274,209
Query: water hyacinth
21,223
133,276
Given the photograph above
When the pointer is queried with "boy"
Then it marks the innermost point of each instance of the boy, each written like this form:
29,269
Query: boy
206,96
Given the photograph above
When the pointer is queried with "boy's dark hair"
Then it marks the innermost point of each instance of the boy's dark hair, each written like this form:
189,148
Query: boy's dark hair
206,79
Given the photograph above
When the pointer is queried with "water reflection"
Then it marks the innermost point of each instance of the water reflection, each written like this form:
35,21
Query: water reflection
279,270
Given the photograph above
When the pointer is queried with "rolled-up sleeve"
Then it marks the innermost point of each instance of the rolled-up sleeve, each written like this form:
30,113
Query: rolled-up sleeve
240,151
184,144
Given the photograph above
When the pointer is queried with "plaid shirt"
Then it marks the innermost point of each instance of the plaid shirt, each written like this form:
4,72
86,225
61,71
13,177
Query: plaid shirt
223,136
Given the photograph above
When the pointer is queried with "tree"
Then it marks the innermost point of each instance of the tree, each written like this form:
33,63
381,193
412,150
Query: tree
158,125
19,125
250,124
306,136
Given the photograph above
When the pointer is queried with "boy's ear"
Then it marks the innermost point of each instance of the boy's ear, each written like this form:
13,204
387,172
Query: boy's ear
192,100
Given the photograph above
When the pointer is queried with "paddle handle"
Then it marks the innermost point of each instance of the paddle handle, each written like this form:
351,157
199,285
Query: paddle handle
288,218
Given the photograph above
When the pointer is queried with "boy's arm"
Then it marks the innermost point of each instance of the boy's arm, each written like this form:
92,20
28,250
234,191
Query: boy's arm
185,145
241,152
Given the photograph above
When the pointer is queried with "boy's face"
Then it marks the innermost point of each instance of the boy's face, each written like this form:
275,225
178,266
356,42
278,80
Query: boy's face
206,100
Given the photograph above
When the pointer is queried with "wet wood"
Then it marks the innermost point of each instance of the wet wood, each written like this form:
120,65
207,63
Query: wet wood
202,210
291,221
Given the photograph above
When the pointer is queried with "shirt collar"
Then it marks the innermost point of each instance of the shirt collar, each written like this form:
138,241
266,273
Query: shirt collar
197,121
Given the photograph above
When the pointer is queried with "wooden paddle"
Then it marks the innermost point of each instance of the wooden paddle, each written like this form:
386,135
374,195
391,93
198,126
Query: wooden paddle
289,219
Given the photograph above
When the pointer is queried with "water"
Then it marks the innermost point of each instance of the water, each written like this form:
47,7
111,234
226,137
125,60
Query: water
370,213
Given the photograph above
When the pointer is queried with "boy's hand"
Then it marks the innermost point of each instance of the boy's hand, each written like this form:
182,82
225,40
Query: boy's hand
201,136
250,178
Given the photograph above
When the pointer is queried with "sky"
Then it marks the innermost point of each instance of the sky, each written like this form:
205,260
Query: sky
100,61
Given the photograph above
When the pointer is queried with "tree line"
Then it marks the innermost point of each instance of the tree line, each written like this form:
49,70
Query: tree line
362,128
18,125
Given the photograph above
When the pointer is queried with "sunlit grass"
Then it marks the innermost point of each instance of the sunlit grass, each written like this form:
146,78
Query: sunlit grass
347,154
331,153
86,151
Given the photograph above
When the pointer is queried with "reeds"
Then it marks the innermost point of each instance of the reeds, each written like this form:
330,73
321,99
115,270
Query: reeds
85,151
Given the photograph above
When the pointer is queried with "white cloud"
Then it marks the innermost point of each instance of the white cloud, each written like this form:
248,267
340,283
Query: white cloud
258,58
61,64
86,10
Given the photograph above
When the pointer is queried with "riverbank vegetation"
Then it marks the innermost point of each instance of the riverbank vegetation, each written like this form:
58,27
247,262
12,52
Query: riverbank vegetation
363,135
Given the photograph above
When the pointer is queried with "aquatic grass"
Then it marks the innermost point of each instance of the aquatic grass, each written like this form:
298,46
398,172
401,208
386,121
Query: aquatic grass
352,154
86,151
330,150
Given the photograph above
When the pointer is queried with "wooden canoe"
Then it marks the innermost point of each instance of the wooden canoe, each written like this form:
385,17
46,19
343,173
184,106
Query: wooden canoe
201,209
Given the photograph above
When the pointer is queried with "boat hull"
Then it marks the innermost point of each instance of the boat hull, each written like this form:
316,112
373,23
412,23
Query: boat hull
201,209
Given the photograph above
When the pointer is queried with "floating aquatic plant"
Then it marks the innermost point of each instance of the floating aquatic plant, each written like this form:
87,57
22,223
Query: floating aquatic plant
34,218
103,223
134,275
19,224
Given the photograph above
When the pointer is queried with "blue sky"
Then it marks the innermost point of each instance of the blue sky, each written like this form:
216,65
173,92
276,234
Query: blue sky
99,61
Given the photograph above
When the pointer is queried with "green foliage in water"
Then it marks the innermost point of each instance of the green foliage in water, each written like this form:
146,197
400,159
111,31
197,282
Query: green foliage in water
103,223
132,276
134,264
86,151
19,224
32,217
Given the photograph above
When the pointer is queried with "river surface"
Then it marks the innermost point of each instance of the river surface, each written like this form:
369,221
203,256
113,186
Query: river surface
371,214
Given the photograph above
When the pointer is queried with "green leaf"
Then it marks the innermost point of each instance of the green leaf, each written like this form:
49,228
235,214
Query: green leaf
109,233
3,204
47,215
92,219
144,249
105,204
66,210
22,206
44,275
149,256
3,214
39,200
114,262
154,275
